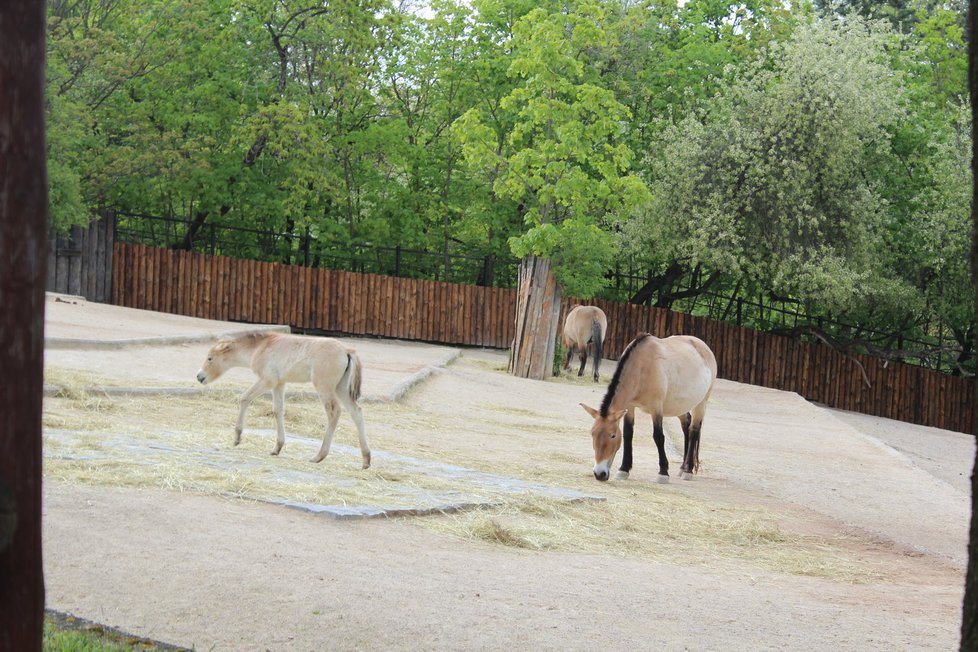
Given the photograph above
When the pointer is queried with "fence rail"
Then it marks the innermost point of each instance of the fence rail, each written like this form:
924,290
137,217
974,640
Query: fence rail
217,287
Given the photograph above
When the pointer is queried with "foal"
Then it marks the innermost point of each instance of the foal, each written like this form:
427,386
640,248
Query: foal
279,358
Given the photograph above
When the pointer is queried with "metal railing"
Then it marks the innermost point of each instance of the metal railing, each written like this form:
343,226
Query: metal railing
309,251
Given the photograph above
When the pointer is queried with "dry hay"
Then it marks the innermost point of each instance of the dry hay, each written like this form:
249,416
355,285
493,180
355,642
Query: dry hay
643,520
652,522
184,444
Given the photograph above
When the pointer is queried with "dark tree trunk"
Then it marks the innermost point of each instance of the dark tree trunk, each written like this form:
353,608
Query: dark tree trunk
537,314
23,258
969,620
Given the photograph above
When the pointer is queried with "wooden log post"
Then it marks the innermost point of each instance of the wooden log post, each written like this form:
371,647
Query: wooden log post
23,262
969,613
537,316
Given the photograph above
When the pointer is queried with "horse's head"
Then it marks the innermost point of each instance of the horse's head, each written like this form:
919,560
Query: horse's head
606,439
218,361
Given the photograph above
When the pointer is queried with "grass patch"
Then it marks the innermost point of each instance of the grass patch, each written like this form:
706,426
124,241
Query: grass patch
64,633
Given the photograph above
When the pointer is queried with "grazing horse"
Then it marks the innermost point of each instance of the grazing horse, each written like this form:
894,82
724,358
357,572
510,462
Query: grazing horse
670,377
584,328
279,358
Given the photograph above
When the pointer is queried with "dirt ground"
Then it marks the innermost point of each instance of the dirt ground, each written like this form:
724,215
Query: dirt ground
215,573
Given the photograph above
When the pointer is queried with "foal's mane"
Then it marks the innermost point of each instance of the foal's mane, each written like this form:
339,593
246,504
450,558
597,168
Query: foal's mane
613,387
251,337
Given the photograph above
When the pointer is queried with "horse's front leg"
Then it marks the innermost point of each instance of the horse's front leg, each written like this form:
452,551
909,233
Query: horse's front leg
254,392
628,432
658,436
278,406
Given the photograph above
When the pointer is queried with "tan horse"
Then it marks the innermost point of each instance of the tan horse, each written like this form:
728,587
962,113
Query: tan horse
584,328
670,377
279,358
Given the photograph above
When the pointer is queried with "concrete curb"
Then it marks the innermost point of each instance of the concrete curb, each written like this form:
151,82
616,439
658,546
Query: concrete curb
165,340
402,388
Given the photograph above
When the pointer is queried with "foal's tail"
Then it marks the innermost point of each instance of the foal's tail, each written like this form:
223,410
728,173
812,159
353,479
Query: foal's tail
352,375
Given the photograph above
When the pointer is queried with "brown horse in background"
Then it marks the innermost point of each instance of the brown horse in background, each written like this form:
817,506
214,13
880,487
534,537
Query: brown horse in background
584,329
670,377
279,358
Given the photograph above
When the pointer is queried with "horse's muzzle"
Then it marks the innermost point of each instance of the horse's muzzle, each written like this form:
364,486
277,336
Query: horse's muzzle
202,377
601,475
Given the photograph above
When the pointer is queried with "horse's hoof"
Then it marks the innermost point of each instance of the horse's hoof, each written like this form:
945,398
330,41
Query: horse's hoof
685,475
274,453
662,479
622,475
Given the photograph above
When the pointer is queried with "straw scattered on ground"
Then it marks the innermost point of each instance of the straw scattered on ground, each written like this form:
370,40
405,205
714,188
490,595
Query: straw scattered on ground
658,522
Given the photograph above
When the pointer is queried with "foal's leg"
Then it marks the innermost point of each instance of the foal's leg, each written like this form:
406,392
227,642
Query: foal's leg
332,416
254,392
628,432
278,406
357,415
659,437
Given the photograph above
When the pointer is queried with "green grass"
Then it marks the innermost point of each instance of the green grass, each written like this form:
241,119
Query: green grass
65,633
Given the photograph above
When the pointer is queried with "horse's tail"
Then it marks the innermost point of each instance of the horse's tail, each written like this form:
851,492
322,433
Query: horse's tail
352,376
598,341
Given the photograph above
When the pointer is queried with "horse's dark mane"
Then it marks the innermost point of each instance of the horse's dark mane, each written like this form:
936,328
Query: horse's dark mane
613,387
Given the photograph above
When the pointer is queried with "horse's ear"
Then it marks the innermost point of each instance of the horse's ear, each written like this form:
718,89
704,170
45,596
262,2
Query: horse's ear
590,410
223,346
620,415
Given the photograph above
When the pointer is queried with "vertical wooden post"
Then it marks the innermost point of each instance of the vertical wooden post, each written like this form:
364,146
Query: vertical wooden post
969,620
537,314
23,262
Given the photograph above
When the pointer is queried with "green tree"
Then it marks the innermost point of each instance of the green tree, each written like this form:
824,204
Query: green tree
769,185
563,160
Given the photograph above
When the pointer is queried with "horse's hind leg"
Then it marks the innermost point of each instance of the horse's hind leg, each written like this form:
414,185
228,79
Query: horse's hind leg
357,415
583,350
332,418
278,406
253,392
684,421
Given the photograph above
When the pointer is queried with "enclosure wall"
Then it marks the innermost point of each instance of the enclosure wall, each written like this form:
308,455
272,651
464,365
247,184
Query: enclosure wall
215,287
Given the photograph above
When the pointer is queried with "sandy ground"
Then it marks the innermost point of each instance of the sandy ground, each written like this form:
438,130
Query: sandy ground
213,573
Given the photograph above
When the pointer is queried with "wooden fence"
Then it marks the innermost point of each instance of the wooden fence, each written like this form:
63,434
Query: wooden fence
215,287
80,262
